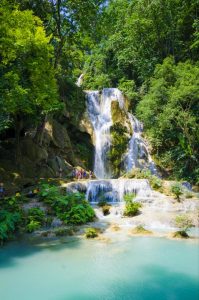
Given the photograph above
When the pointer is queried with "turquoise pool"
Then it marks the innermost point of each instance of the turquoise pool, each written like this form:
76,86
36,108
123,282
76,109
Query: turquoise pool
136,269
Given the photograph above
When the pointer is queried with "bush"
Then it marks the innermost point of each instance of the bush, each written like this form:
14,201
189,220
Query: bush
33,225
49,193
131,208
129,197
36,214
183,222
91,233
71,208
176,189
155,182
8,224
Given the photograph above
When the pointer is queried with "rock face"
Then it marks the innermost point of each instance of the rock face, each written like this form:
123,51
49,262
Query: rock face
60,146
120,116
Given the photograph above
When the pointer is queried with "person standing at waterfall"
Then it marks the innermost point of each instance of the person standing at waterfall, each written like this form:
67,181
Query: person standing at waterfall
90,174
84,174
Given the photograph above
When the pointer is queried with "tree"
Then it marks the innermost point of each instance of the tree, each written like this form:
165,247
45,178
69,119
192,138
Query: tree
169,112
28,86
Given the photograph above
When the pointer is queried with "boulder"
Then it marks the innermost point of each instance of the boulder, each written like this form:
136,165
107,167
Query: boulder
33,151
57,162
86,126
56,134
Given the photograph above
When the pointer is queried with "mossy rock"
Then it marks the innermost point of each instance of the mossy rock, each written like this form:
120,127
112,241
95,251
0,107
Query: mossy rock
33,151
62,231
91,233
181,234
119,145
120,116
141,230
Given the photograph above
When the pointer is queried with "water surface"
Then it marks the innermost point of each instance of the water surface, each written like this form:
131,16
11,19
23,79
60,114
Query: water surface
135,269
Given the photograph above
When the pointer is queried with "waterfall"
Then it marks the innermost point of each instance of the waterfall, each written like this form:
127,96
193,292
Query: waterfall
99,110
138,149
111,190
80,80
137,154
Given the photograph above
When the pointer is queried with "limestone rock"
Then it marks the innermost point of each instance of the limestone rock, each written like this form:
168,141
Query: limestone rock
57,134
86,126
120,116
33,151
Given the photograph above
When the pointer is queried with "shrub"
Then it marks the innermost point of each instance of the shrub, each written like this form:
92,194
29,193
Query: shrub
176,189
79,214
71,208
8,224
49,193
131,208
183,222
33,225
155,182
36,214
91,233
129,197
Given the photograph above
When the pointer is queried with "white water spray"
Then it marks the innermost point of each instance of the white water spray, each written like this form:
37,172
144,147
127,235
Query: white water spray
99,110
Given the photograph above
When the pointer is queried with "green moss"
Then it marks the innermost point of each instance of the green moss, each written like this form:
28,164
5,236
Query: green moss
140,230
119,145
91,233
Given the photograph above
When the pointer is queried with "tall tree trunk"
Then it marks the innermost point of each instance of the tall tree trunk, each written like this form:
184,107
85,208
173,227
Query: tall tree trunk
40,131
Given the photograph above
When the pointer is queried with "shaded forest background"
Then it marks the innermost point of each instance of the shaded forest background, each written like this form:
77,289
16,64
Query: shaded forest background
148,49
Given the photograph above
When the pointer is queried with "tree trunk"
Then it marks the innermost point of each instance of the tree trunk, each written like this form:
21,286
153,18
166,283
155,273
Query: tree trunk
40,131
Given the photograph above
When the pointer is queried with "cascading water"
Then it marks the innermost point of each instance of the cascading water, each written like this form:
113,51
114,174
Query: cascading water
111,190
99,110
105,188
138,149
